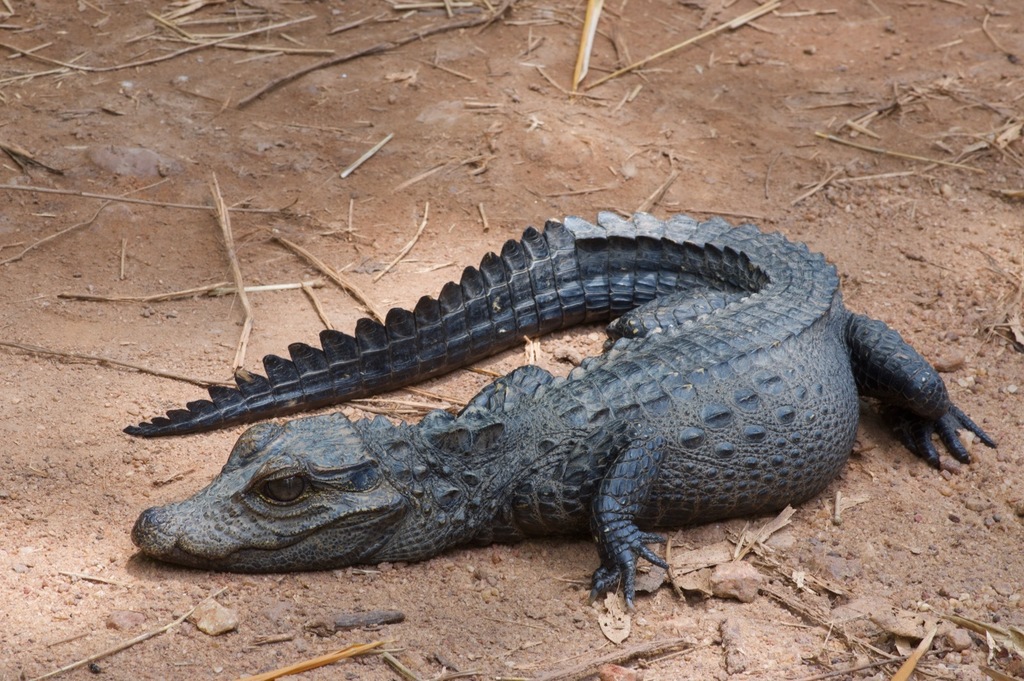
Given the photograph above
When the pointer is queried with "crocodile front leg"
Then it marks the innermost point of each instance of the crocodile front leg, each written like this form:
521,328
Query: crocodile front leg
620,498
913,395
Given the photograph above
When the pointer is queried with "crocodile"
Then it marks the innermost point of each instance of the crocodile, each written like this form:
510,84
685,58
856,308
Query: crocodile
729,386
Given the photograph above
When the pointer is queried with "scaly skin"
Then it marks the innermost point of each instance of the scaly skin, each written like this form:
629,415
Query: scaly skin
729,388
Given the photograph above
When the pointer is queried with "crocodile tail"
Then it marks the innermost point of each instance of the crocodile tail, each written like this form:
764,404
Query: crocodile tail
532,287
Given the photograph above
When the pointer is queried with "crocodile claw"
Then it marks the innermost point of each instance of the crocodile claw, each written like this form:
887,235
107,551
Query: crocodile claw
916,433
620,565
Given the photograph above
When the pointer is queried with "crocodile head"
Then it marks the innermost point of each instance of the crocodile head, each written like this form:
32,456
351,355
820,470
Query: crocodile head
303,495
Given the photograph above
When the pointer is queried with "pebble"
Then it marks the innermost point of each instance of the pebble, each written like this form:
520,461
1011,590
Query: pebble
613,672
945,365
122,620
978,504
959,640
739,580
133,161
212,618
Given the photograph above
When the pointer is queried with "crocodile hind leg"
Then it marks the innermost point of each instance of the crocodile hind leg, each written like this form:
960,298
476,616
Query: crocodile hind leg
912,393
620,498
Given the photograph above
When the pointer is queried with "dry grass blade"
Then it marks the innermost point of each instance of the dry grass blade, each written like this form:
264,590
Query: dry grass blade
896,154
224,220
222,288
99,359
408,247
127,644
315,302
618,656
908,667
128,199
739,21
56,235
480,21
365,157
651,200
153,60
335,276
594,8
316,662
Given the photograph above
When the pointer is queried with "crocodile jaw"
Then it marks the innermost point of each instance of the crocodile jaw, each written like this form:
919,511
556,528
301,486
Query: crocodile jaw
160,533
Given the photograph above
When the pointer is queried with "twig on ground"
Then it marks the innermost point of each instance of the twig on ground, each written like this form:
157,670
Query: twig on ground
615,657
651,200
221,288
56,235
897,154
817,187
408,247
99,359
366,157
481,21
224,220
316,662
730,25
92,578
908,667
851,670
483,217
353,24
153,60
126,199
124,258
127,644
335,276
590,21
400,668
315,300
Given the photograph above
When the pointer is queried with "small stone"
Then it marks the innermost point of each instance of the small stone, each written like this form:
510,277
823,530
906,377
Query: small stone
959,640
945,365
613,672
745,59
977,504
20,568
734,636
122,620
739,580
810,50
212,618
946,191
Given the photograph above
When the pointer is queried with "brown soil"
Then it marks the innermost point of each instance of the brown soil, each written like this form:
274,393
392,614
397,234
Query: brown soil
933,250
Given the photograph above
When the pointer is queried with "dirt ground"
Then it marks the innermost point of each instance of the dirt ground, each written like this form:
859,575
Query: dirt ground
486,134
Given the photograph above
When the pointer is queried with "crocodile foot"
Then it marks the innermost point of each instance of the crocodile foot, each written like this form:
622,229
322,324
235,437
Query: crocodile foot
622,545
915,432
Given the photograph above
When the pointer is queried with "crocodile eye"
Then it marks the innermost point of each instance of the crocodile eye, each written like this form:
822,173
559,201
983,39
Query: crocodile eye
284,490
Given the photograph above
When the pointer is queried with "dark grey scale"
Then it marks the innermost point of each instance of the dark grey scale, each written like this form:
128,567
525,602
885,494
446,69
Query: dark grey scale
568,278
372,341
647,266
342,354
400,326
543,281
716,416
785,415
452,305
524,306
592,260
283,376
499,301
431,338
478,311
